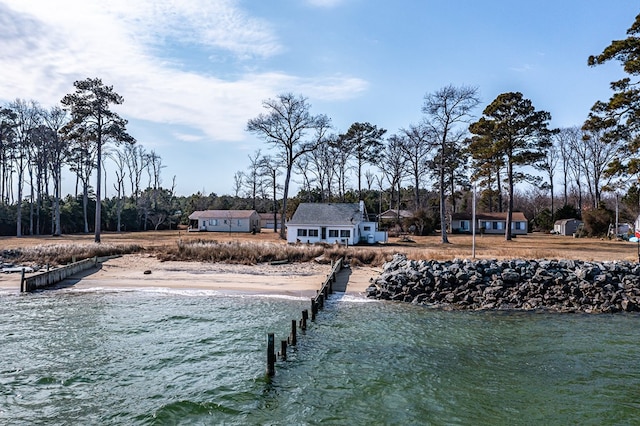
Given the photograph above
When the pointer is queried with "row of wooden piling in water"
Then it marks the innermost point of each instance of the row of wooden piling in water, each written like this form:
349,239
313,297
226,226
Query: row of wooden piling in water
317,303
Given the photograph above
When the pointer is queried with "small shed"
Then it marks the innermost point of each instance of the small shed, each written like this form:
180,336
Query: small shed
267,220
225,221
566,226
395,215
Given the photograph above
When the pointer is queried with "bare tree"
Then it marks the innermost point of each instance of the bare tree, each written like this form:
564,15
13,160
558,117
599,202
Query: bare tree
120,159
340,152
415,148
238,179
446,113
393,166
270,169
548,165
564,140
285,127
252,178
55,118
593,155
8,123
137,162
322,165
26,120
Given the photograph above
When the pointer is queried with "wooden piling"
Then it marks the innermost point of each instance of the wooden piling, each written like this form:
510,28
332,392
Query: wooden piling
305,317
314,309
283,350
271,356
22,286
293,340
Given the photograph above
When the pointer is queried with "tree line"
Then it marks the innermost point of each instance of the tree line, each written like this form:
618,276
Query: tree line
431,167
452,153
81,134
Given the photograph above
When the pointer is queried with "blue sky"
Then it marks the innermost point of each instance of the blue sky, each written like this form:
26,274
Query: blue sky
192,72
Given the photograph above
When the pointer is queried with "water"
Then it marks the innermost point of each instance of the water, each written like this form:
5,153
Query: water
160,357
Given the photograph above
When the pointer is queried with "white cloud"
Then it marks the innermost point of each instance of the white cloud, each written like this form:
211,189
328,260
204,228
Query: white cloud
46,47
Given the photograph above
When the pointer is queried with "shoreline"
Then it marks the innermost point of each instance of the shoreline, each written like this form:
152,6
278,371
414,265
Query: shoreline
141,271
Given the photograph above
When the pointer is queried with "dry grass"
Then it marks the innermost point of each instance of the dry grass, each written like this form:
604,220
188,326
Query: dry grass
266,246
60,254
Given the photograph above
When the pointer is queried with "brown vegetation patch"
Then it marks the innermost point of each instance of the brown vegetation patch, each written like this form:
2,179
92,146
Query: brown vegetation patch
267,247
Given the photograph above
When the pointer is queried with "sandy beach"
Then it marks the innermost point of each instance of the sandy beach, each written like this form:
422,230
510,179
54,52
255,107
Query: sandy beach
294,279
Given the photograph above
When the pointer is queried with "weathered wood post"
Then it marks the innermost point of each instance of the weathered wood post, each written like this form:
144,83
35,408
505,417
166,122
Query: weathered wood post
22,283
320,300
271,356
293,338
314,309
283,350
305,317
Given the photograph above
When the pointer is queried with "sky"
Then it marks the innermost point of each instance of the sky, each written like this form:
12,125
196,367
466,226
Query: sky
193,72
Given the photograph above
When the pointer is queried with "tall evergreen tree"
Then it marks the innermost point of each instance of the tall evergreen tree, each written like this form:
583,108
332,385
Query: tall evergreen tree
365,143
518,133
90,108
617,121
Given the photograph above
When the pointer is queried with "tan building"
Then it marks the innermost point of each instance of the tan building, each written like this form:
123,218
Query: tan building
489,223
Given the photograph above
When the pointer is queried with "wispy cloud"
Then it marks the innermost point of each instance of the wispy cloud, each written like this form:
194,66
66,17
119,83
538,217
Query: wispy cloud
46,47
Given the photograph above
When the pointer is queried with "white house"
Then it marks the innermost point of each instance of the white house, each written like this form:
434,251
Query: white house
489,223
344,223
225,221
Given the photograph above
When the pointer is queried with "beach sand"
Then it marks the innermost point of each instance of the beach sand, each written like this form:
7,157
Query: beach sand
294,279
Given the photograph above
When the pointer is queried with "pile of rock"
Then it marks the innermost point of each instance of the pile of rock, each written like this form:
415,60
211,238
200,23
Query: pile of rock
556,285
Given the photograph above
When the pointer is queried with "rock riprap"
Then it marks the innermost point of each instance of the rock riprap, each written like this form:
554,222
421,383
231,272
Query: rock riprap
554,285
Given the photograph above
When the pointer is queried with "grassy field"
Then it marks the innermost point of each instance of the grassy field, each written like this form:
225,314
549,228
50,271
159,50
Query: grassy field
170,245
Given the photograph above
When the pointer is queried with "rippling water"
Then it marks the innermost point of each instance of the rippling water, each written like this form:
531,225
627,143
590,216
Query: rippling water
170,357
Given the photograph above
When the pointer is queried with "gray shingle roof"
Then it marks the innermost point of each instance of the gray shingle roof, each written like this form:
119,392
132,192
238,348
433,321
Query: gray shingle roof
221,214
326,214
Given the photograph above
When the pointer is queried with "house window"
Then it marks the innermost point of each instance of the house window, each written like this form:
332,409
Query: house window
464,225
333,233
367,228
497,225
302,232
225,221
518,225
213,222
313,232
345,233
238,222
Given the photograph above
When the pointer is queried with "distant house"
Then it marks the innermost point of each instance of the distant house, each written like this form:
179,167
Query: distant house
566,226
344,223
266,220
489,223
225,221
393,215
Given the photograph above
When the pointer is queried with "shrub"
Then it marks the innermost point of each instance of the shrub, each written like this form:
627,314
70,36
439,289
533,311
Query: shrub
596,222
